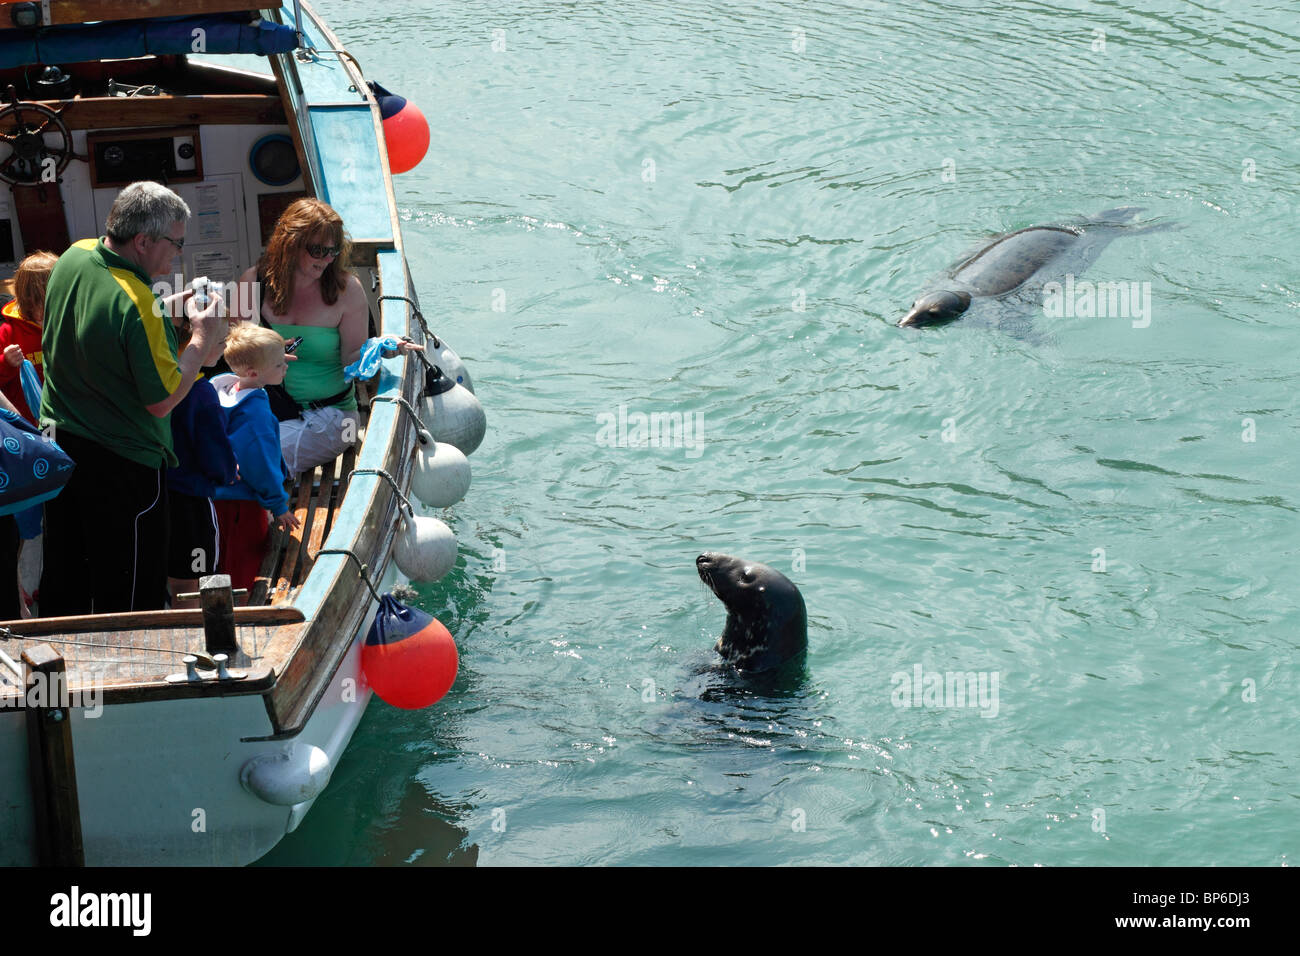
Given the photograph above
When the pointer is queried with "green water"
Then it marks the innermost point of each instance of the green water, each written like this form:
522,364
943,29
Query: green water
721,209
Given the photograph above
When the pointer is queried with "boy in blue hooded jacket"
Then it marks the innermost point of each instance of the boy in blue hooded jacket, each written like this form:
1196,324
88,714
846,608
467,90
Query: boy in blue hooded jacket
257,358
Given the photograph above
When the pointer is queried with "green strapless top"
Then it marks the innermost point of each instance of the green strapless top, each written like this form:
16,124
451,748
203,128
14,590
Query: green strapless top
318,373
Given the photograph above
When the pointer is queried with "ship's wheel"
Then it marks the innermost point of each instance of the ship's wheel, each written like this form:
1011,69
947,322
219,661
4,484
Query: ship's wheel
24,153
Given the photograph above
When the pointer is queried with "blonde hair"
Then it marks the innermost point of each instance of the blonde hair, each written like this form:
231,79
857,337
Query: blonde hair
30,281
251,347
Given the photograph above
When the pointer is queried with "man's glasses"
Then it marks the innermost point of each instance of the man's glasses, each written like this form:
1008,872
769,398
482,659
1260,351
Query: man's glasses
178,243
322,252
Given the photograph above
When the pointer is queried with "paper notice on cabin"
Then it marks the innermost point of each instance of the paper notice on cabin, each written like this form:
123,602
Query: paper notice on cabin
211,216
217,264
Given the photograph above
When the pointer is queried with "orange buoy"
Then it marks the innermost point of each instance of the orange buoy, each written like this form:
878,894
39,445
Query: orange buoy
409,658
406,131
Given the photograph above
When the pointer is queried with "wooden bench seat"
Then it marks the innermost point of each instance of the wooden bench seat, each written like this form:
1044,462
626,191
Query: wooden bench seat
314,498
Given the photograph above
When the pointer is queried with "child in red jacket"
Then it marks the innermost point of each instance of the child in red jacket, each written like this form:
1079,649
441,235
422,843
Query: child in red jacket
20,329
21,321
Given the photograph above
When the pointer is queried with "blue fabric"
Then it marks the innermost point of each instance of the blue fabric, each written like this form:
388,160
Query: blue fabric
31,522
32,468
31,385
254,433
395,622
368,364
199,438
390,104
82,42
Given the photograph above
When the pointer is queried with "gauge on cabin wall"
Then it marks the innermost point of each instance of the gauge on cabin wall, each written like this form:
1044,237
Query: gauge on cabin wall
167,156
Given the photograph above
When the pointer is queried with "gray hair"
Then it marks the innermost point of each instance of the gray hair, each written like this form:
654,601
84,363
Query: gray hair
145,207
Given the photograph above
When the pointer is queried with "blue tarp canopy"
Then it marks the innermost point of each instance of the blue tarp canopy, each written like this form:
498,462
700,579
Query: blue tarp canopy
114,40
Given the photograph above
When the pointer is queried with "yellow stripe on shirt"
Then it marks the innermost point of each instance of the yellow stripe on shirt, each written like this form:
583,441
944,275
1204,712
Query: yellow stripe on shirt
146,302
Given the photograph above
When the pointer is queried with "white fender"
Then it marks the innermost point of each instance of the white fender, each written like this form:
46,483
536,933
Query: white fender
425,549
442,473
450,363
453,415
295,774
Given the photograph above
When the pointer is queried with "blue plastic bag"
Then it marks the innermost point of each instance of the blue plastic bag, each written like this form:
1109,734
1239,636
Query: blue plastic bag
33,469
31,387
371,353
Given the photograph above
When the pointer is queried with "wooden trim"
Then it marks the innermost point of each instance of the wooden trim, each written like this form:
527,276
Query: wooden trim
52,770
257,682
216,109
144,620
84,11
217,601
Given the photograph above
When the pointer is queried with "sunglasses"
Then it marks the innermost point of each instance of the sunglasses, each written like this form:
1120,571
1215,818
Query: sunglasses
322,252
178,243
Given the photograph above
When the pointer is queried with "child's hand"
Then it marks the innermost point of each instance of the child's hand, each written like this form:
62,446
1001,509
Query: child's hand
288,521
14,355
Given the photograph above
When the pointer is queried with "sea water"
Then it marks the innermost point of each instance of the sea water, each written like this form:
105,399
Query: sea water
716,212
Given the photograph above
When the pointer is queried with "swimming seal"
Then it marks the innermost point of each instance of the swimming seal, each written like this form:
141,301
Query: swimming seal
767,624
1016,266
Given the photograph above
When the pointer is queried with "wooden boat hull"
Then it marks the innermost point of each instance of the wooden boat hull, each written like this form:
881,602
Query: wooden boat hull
160,782
217,772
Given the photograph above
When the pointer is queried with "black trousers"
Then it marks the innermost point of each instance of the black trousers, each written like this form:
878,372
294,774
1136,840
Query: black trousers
105,535
9,544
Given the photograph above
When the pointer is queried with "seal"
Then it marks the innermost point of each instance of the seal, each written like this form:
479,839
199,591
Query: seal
767,623
1018,264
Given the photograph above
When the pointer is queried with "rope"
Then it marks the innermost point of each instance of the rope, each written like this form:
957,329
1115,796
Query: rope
387,477
420,430
361,565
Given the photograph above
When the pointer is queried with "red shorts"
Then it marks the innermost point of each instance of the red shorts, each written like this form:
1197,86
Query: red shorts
243,527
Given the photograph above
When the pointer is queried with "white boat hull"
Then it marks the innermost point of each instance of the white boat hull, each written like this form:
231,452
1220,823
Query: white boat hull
159,783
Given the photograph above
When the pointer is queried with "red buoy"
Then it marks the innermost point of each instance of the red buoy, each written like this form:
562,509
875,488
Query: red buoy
409,658
406,131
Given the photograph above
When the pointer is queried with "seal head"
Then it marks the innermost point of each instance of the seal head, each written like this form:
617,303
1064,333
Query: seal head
767,623
935,308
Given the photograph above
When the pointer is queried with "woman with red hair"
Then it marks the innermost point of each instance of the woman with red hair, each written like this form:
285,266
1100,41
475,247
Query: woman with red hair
307,292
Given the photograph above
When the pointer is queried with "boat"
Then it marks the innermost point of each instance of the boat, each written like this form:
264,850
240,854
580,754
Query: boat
127,739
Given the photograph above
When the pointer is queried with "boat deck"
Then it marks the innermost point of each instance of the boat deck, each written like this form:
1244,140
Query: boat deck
124,657
146,647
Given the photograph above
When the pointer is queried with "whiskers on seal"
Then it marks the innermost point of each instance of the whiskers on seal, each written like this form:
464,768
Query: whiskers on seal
767,623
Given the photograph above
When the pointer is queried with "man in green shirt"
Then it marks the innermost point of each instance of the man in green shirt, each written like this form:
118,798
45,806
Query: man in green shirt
112,376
